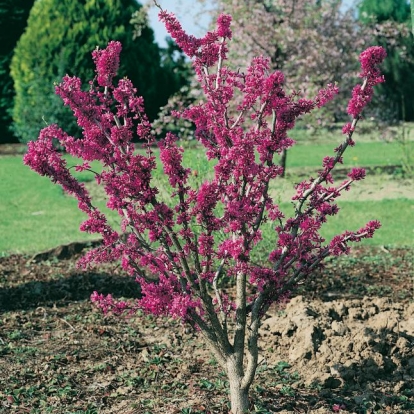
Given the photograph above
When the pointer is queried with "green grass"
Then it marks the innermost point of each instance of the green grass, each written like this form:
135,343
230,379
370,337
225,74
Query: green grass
367,154
35,214
396,217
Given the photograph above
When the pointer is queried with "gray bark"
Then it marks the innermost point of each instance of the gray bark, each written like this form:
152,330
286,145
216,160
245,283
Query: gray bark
239,397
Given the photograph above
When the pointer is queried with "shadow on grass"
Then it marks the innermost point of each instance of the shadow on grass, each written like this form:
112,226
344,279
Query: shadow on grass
64,289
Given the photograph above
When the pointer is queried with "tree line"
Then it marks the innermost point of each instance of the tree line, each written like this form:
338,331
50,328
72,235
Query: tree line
46,39
312,42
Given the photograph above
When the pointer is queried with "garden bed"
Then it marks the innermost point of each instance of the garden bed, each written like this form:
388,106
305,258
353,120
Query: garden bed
345,342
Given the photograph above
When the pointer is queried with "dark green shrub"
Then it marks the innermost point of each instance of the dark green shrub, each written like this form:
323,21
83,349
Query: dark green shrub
13,18
58,39
392,22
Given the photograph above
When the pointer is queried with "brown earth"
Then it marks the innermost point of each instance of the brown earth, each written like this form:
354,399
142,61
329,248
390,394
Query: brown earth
12,149
380,185
344,343
358,344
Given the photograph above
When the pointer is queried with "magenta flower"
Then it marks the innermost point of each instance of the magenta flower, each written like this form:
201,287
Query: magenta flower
223,26
370,60
338,407
189,44
182,242
357,174
326,95
107,62
361,95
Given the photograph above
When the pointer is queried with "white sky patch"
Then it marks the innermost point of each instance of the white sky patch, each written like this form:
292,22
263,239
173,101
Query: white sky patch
193,16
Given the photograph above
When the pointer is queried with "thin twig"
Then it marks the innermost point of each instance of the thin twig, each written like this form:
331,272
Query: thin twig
67,323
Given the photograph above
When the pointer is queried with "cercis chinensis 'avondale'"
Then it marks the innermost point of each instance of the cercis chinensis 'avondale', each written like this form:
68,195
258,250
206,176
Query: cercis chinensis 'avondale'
209,231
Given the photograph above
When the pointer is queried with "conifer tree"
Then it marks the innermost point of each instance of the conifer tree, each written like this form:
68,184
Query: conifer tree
392,21
58,40
13,18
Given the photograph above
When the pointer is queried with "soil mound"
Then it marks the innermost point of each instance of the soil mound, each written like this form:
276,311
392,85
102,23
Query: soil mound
350,343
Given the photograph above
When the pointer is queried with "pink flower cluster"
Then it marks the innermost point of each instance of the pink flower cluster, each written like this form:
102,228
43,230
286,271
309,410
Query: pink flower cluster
339,244
178,250
361,95
107,63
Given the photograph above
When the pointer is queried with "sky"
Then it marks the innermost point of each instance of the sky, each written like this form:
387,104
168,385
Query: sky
193,17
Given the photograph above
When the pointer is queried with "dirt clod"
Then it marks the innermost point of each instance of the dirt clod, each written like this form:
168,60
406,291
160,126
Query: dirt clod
367,344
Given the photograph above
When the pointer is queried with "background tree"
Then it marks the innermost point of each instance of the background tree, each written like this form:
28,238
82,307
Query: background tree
176,65
312,42
58,40
412,16
173,60
182,83
183,250
189,94
390,21
13,19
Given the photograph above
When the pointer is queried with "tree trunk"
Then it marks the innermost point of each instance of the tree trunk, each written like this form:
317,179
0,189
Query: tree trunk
239,398
283,162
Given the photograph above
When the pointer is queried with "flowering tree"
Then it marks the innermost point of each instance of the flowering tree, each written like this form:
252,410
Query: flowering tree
211,231
312,41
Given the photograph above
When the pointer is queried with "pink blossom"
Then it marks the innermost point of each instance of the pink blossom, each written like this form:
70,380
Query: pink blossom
357,174
361,95
232,248
166,298
171,157
223,26
369,229
370,60
326,95
108,304
179,240
347,128
338,407
360,98
107,62
206,244
189,44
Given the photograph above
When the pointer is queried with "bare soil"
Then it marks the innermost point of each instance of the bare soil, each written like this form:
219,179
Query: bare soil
12,149
344,343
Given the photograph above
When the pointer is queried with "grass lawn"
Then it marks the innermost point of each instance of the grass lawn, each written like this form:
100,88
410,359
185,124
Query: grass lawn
396,231
396,217
35,214
367,154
